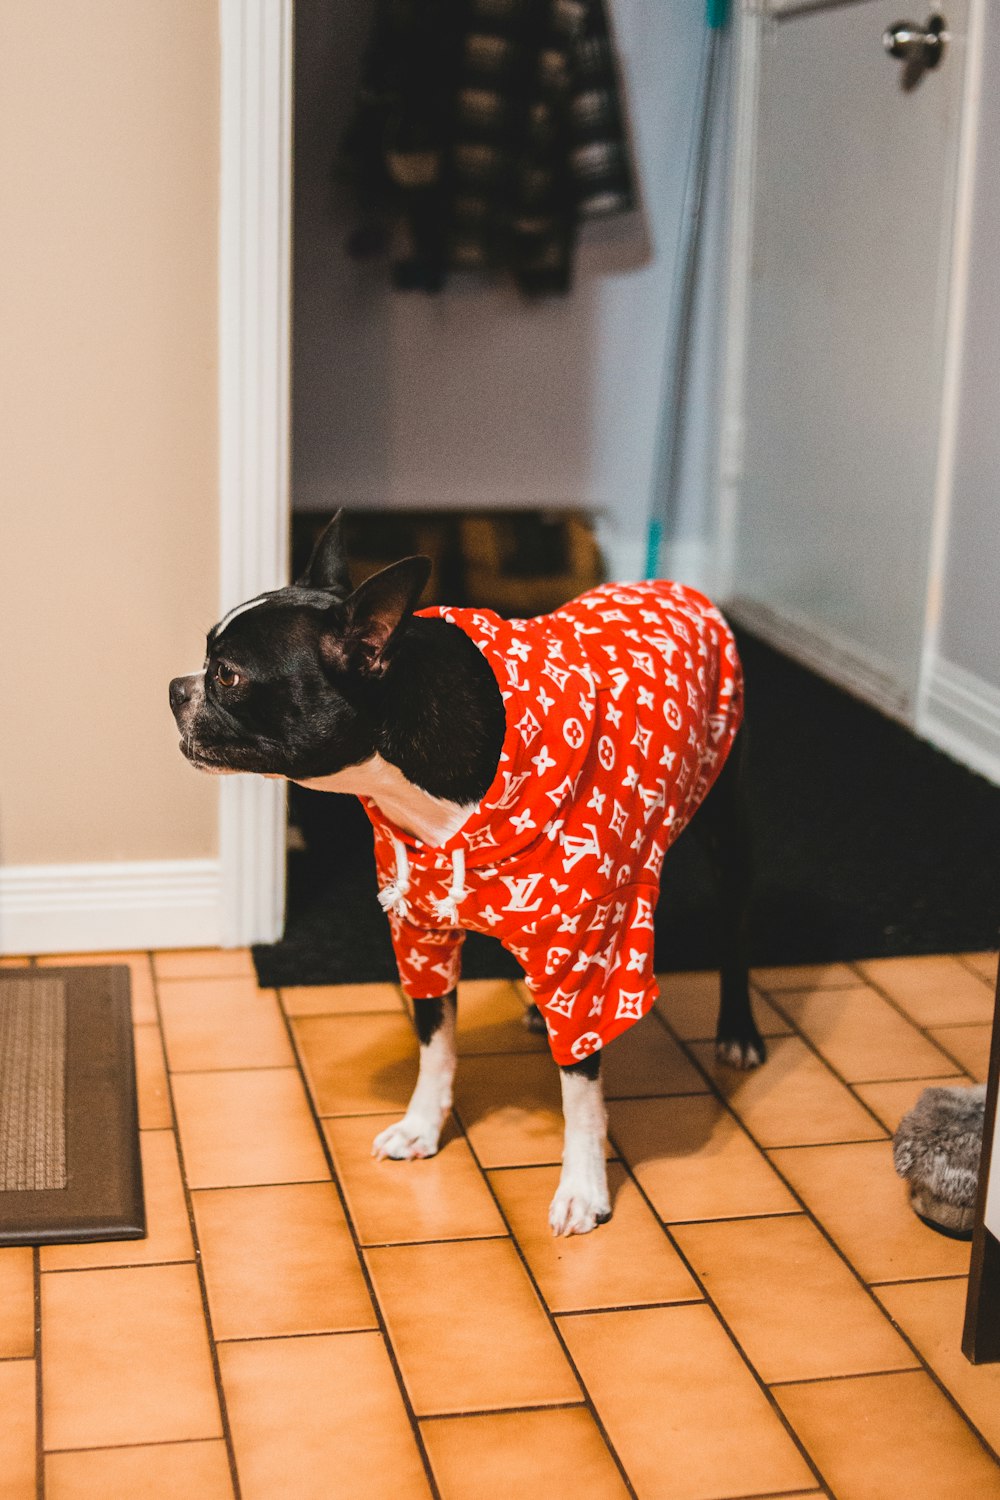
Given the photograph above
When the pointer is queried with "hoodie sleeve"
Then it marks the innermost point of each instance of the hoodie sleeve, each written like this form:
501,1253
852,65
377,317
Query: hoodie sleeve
590,971
429,959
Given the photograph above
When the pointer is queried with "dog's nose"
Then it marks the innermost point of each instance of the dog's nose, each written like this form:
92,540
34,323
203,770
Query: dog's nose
179,693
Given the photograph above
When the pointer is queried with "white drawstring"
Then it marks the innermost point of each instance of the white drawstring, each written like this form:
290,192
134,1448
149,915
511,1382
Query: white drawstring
447,908
392,897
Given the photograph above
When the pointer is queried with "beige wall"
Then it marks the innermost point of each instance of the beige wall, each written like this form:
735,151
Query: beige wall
108,443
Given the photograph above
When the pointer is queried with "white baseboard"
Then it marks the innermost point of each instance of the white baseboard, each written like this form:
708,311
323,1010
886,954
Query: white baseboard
960,714
862,675
93,908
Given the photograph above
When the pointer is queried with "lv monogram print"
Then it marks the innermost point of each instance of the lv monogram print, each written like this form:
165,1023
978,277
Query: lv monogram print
621,709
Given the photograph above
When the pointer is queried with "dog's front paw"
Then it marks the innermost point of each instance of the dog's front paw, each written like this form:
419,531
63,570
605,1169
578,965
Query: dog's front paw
408,1140
578,1210
743,1053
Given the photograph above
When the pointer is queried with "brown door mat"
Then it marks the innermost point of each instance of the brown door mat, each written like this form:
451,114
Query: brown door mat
69,1125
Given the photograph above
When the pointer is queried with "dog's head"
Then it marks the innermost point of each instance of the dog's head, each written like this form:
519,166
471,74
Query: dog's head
290,677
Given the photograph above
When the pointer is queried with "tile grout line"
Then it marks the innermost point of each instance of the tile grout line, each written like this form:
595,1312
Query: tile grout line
829,1237
927,1078
964,1077
36,1270
856,1140
444,1239
963,1073
588,1399
970,968
774,1001
705,1297
777,1385
332,1015
298,1333
119,1265
546,1166
918,1025
616,1307
824,1062
867,1082
803,1207
761,991
770,1494
129,1447
199,1266
710,1301
833,1244
383,1328
894,1005
502,1411
240,1068
950,1025
587,1402
783,1036
917,1281
288,1067
991,984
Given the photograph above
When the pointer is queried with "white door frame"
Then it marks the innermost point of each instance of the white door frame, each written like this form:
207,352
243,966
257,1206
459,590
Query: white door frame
255,213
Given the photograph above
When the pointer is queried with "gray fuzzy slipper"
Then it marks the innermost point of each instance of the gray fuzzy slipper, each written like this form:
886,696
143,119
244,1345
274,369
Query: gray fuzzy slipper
936,1149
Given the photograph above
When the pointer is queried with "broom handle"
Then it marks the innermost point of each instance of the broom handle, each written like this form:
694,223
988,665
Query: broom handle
667,460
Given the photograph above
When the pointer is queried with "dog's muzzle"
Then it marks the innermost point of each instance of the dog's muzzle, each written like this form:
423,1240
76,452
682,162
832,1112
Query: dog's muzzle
186,696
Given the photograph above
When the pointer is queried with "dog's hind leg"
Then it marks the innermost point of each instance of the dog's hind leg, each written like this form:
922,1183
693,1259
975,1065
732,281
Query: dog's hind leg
533,1020
418,1133
723,818
581,1201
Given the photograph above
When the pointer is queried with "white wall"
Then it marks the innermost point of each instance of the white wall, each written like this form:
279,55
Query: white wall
970,622
961,705
474,398
109,180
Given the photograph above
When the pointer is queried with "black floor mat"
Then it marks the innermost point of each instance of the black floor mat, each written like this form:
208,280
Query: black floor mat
868,843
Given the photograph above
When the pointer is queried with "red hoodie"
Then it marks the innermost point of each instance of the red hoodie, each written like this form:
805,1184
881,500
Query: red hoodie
621,709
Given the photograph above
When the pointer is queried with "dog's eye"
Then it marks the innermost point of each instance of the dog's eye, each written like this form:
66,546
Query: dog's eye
225,676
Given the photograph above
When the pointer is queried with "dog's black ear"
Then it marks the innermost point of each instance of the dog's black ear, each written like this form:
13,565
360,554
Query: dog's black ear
327,567
369,619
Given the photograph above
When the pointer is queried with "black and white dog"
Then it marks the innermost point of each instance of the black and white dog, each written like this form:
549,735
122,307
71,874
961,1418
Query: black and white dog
475,744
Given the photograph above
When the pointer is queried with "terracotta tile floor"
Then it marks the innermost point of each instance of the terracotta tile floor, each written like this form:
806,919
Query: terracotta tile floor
762,1317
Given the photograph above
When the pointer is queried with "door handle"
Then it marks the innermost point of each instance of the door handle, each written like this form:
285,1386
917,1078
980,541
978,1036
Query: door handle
919,48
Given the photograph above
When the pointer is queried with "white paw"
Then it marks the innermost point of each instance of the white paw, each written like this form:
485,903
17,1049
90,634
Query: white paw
741,1055
576,1209
407,1140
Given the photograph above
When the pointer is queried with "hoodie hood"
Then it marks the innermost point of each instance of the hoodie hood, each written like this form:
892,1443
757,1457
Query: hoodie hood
549,693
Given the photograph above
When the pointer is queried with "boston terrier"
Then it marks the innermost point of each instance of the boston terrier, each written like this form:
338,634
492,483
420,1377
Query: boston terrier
523,777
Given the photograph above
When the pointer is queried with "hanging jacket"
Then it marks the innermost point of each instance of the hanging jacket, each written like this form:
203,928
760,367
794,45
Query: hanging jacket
621,709
484,134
